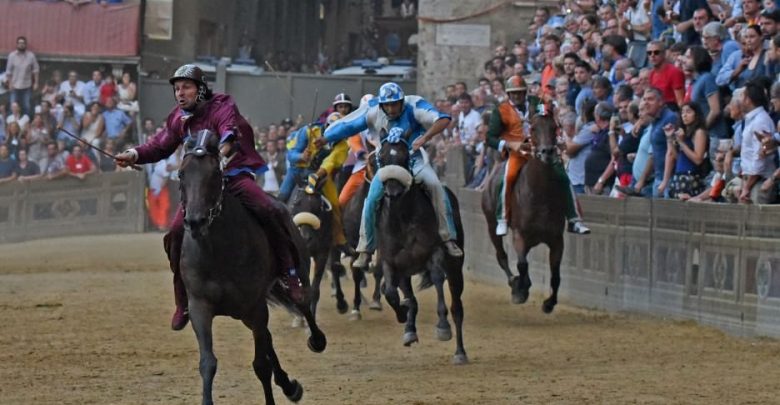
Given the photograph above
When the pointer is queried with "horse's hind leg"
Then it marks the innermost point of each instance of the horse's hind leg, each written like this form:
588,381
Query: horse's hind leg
501,256
521,285
261,364
556,254
443,328
410,329
455,282
292,389
202,316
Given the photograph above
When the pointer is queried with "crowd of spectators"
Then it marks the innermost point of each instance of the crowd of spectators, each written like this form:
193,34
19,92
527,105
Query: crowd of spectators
40,118
656,98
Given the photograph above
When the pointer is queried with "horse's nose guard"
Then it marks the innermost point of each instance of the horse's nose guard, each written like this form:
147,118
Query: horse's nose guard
203,143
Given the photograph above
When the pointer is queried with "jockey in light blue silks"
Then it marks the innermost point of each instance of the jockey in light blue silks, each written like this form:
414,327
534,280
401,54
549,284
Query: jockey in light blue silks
393,112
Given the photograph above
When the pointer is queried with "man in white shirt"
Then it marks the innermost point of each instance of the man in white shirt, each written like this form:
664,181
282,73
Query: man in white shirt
73,91
758,124
21,75
468,121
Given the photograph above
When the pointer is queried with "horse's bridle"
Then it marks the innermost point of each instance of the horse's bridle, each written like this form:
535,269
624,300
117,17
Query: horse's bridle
200,150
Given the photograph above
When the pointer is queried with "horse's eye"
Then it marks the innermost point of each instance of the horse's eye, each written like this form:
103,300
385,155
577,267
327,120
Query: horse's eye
181,176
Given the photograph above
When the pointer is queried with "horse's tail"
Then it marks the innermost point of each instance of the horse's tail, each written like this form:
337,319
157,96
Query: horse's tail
280,298
425,280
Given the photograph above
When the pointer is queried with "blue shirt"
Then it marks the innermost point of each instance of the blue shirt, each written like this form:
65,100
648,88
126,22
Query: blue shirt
643,152
91,92
416,117
115,120
703,88
658,140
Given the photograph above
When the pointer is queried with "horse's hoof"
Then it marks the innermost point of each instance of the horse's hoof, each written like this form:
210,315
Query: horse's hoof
355,315
297,393
317,344
460,359
342,306
519,298
409,338
443,334
375,305
547,307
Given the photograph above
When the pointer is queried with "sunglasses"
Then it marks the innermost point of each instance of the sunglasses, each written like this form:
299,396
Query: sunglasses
653,52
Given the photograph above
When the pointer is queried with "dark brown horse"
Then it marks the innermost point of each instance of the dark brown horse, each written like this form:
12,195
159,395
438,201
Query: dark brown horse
536,214
228,268
409,244
352,213
313,215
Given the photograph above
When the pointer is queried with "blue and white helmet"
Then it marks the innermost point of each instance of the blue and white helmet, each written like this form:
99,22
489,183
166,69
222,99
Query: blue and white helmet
390,92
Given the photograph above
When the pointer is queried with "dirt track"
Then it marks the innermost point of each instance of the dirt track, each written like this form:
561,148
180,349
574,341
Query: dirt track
85,321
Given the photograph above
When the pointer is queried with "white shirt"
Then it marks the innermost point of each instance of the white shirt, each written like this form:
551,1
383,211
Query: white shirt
467,126
78,88
637,16
756,121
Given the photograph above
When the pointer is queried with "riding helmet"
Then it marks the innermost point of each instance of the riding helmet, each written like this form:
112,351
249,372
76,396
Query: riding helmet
390,92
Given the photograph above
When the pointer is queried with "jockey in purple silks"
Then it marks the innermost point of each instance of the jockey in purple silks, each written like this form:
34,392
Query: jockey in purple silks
198,108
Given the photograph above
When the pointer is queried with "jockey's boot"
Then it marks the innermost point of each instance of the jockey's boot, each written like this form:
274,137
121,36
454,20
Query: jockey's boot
180,318
453,249
362,261
292,283
501,227
578,227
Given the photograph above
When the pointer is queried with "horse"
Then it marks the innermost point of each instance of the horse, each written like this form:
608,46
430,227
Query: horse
228,269
312,214
352,213
537,213
409,244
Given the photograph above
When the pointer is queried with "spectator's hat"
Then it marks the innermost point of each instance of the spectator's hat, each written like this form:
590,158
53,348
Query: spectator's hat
287,122
515,83
715,29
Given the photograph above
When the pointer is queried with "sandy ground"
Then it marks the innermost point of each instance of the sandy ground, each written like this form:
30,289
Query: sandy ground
85,321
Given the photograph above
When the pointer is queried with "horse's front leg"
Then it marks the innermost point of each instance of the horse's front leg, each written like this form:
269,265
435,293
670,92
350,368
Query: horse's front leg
320,260
357,277
556,255
391,294
336,270
376,297
410,329
202,315
521,284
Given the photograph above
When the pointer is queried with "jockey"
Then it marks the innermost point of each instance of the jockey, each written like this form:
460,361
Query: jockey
507,133
305,157
342,104
418,118
198,108
358,149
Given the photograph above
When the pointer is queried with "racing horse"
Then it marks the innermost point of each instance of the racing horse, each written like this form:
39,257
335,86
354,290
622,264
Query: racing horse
352,213
537,211
228,269
409,244
312,214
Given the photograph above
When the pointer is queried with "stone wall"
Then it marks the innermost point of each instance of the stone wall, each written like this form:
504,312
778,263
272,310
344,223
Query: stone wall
717,264
440,64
